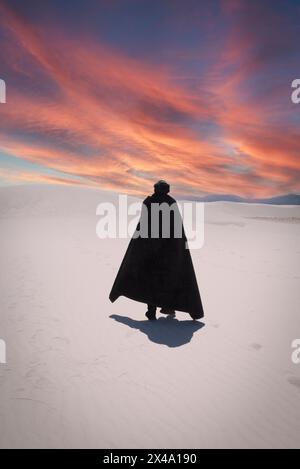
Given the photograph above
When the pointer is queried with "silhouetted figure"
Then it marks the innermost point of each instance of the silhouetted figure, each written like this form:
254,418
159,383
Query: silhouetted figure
157,268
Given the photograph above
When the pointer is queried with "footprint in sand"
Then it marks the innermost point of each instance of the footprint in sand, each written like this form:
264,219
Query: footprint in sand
256,346
295,381
59,342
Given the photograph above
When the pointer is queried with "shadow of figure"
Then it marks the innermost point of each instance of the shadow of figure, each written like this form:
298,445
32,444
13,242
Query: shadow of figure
165,330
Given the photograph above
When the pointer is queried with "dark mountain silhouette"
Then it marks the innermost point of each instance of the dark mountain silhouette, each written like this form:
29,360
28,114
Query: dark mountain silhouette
287,199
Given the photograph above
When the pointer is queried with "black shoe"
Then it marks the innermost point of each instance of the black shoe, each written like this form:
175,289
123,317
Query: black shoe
150,315
167,311
195,316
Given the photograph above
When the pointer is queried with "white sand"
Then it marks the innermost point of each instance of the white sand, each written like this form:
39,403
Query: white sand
77,377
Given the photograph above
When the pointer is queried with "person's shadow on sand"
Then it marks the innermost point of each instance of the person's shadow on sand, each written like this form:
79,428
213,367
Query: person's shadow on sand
165,330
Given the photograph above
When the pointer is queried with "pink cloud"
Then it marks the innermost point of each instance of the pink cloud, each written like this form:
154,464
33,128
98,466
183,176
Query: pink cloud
135,122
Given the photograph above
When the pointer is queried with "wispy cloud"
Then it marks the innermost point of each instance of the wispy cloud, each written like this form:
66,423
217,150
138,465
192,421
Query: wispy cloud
81,107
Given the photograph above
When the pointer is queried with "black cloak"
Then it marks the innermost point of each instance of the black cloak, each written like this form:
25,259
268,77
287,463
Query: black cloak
159,270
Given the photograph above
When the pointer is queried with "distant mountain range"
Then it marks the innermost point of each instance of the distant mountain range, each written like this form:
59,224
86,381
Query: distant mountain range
287,199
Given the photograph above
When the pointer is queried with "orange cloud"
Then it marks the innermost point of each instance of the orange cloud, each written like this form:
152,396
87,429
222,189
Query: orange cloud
113,120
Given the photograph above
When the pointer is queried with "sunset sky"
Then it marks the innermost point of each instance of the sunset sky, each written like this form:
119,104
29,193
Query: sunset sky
120,93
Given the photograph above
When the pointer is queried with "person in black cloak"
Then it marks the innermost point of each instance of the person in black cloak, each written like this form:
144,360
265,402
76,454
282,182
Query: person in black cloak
157,268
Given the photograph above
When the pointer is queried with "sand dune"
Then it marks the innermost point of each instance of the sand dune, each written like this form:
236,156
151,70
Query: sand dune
82,372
